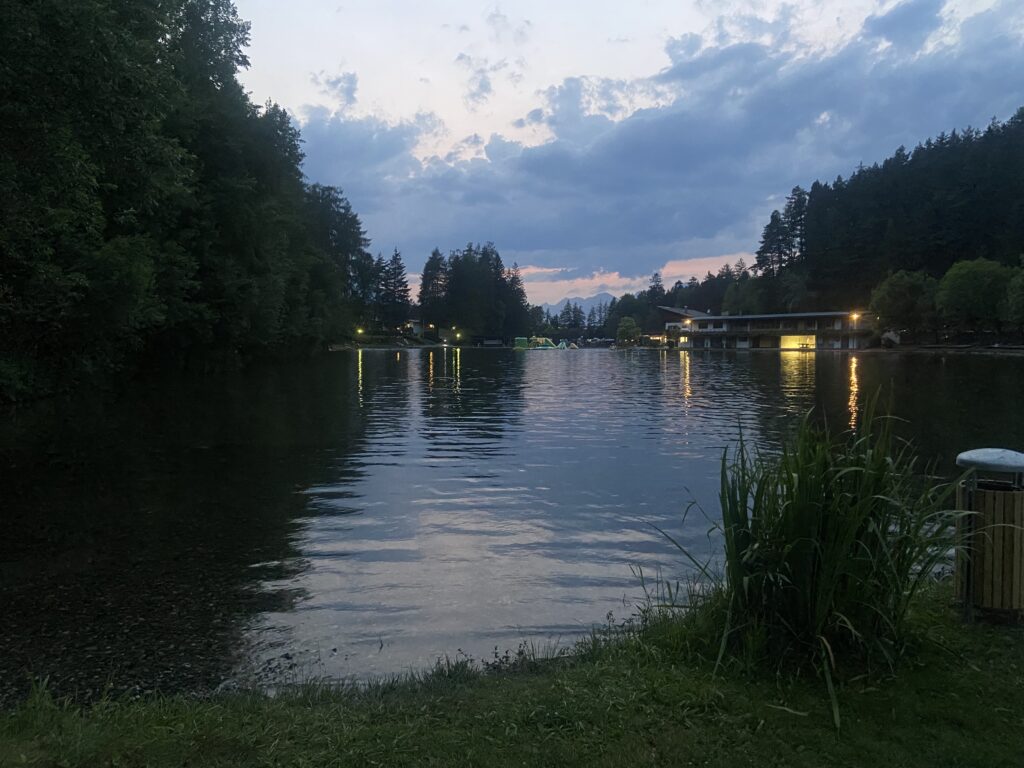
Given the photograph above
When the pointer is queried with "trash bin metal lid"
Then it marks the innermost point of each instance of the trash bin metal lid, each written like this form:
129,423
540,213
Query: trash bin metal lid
992,460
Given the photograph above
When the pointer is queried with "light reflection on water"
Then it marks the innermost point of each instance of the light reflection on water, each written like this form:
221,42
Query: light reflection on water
853,404
518,490
370,511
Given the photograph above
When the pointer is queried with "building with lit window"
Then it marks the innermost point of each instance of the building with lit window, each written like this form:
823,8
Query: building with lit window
677,323
808,331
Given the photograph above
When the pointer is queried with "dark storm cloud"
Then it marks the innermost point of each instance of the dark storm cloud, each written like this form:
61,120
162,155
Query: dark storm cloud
696,176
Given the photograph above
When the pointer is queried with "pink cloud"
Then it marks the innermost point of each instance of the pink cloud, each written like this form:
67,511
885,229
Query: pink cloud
529,271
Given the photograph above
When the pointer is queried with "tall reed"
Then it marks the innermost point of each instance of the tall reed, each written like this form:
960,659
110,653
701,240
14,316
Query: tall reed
826,545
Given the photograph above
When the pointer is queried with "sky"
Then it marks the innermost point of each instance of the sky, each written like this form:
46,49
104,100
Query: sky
595,142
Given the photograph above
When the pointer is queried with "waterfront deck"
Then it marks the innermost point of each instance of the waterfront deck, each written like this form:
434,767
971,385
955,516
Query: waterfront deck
807,331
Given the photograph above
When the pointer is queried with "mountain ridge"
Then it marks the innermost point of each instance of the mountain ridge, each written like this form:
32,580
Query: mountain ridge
586,304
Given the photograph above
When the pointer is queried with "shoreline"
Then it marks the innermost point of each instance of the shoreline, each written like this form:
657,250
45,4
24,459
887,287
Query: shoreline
621,698
1006,351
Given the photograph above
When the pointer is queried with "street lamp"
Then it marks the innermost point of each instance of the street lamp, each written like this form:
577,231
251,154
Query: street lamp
855,317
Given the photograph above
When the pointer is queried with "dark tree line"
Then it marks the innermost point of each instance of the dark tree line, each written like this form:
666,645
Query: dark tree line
472,290
149,208
957,197
974,296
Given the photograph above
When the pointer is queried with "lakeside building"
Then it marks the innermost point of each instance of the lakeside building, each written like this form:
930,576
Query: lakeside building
792,330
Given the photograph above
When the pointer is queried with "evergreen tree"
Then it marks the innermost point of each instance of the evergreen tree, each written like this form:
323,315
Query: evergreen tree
565,317
377,291
579,319
794,217
656,290
775,248
433,290
394,292
518,318
473,291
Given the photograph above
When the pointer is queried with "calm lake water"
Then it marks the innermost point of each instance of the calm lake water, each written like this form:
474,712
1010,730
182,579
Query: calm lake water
368,512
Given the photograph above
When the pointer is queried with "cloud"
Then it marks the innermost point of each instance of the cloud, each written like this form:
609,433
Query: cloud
532,271
341,87
503,29
479,87
498,148
908,24
469,147
369,158
684,164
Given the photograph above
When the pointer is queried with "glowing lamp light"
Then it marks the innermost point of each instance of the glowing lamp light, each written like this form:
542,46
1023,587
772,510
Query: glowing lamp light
855,317
458,335
359,330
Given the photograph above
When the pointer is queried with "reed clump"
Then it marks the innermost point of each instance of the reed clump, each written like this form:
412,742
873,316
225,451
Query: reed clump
826,545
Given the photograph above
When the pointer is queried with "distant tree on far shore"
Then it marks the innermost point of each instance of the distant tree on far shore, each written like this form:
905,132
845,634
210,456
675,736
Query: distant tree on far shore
1015,301
393,296
905,301
628,332
972,295
471,289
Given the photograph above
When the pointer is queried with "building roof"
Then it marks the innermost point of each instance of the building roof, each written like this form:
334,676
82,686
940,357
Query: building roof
684,311
780,315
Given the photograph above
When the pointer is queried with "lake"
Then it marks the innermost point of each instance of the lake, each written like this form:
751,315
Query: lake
369,512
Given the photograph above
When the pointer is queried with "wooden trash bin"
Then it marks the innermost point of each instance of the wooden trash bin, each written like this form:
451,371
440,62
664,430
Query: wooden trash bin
989,574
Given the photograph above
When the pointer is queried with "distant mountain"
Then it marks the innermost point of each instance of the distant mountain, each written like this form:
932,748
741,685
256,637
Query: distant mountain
586,304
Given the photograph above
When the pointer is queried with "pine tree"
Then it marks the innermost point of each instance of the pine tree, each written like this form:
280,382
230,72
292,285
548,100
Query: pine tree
794,216
775,248
393,299
565,316
656,290
433,289
579,318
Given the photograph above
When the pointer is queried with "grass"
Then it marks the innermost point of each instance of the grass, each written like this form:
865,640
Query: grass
627,698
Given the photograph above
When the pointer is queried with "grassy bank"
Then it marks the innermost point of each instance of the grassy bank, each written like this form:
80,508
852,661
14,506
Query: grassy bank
628,701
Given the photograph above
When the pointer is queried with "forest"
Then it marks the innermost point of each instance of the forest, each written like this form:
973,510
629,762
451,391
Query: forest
931,239
958,197
472,289
154,215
